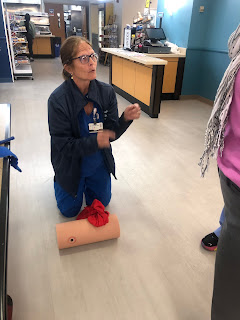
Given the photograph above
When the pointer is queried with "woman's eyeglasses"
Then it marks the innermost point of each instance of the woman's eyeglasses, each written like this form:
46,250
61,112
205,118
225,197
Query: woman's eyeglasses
85,58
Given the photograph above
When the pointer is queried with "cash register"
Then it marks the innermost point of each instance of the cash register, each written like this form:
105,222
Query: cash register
153,42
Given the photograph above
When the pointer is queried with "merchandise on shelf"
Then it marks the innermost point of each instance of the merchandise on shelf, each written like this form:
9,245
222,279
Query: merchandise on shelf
19,29
18,46
140,24
111,38
21,61
40,20
139,18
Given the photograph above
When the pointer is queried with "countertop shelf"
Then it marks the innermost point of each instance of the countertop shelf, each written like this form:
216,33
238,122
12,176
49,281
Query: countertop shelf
135,56
42,24
124,54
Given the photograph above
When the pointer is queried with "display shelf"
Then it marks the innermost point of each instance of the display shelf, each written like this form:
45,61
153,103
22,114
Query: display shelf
42,24
19,42
140,35
20,62
22,52
108,40
143,22
32,14
23,71
39,19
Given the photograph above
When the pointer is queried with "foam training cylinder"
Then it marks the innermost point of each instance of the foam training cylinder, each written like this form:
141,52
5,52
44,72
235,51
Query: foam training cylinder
78,232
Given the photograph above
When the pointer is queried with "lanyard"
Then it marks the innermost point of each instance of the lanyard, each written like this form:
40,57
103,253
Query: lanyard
95,115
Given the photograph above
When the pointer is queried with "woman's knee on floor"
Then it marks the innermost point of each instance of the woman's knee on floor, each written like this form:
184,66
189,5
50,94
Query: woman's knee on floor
69,207
104,198
71,212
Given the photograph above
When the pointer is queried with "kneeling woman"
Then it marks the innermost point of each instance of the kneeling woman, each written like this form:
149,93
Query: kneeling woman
83,119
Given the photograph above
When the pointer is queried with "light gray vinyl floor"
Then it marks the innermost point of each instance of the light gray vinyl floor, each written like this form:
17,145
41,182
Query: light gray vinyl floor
157,269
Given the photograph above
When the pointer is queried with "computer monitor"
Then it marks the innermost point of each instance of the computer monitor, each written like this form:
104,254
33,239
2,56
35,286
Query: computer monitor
155,34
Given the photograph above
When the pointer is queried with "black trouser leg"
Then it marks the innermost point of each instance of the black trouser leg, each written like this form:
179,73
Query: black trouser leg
30,43
225,304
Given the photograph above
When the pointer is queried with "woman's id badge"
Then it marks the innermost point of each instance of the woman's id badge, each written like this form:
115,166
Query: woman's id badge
95,127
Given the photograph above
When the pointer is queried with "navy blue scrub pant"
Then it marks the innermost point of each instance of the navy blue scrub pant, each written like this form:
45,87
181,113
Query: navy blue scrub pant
97,186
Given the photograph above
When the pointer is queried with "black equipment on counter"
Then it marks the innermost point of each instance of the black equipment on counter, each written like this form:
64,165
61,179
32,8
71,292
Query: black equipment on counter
154,44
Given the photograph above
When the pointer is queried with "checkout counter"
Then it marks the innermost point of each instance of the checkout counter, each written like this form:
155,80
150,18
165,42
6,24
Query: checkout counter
43,45
146,71
173,74
146,78
137,77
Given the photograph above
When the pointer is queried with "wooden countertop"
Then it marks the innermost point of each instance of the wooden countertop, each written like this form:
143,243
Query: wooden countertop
135,56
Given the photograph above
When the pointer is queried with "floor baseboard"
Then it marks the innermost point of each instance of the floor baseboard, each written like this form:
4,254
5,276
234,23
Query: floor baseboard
195,96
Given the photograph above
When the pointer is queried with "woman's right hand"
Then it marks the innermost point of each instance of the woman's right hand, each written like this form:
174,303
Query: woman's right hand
103,138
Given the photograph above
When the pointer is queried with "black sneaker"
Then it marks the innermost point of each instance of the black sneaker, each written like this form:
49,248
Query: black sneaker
210,242
31,59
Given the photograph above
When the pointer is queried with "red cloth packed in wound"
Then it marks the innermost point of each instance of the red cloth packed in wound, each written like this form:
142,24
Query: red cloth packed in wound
95,214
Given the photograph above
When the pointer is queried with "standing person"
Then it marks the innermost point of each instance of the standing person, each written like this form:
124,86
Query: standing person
83,119
223,141
30,34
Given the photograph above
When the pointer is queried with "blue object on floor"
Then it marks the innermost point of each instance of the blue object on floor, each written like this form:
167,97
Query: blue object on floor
6,140
5,152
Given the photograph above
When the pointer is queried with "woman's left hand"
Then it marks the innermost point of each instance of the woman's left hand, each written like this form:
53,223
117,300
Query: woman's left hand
132,112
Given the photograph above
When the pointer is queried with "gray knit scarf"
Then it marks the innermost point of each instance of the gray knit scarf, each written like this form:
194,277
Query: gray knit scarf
214,136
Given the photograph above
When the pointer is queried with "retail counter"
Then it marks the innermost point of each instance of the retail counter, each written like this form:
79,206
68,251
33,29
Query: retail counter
146,78
43,46
137,77
5,300
173,73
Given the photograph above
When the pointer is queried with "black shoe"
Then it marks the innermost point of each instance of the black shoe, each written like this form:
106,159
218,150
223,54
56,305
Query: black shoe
31,59
210,242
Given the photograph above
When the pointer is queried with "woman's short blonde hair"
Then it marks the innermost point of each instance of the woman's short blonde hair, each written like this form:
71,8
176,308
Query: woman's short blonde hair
69,50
